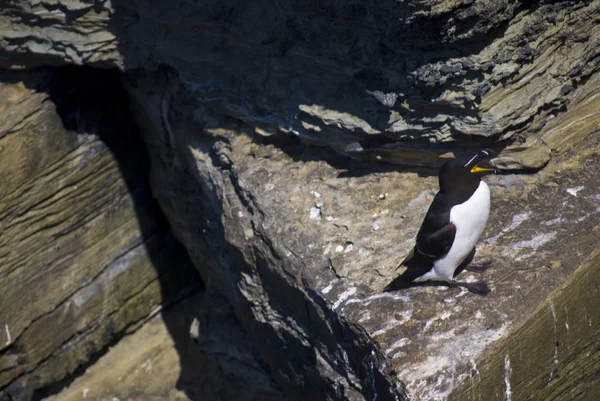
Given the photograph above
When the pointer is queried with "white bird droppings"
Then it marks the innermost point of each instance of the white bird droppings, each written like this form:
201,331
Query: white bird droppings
147,365
344,296
372,366
552,222
315,213
535,242
8,339
368,300
517,220
573,191
327,289
398,344
507,372
553,311
393,323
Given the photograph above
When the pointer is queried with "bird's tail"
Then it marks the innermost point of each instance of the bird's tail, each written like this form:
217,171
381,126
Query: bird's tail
399,283
416,265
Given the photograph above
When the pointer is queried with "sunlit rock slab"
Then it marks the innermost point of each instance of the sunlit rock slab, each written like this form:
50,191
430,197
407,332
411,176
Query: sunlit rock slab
194,350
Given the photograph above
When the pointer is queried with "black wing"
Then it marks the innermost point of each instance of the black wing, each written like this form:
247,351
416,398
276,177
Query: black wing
437,232
418,262
437,245
434,240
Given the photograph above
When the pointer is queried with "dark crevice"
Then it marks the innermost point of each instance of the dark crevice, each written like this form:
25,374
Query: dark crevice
93,101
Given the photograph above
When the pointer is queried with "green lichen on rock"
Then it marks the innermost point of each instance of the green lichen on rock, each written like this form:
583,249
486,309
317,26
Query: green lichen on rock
554,355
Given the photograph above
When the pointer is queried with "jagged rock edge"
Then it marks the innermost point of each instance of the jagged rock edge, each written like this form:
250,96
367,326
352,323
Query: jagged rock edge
378,378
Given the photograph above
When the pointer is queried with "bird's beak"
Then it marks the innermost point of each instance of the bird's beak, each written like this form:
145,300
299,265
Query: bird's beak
473,164
477,169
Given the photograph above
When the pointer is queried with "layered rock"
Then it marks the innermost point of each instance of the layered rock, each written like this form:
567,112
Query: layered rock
162,361
247,245
294,215
561,338
368,78
301,239
85,254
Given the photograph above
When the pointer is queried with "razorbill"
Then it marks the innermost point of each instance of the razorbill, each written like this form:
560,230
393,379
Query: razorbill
446,242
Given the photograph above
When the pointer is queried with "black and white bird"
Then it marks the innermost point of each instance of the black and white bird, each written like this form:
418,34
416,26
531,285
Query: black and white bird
454,222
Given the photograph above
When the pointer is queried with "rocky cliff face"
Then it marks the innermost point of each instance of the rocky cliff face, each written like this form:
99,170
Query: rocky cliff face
271,128
85,251
215,363
364,78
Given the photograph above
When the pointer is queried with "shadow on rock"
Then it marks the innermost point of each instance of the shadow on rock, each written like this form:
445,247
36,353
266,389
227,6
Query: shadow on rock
92,101
283,71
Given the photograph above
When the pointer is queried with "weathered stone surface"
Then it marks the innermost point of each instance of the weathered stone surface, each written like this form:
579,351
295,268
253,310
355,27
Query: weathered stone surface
338,229
82,256
147,365
541,231
387,74
301,239
40,33
313,353
555,356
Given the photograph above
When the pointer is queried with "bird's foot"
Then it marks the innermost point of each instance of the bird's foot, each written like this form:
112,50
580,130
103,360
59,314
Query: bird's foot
479,287
478,267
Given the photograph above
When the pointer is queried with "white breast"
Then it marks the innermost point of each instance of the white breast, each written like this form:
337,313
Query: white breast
469,218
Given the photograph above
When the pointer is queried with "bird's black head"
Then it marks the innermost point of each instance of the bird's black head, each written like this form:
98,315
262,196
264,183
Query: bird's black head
463,173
